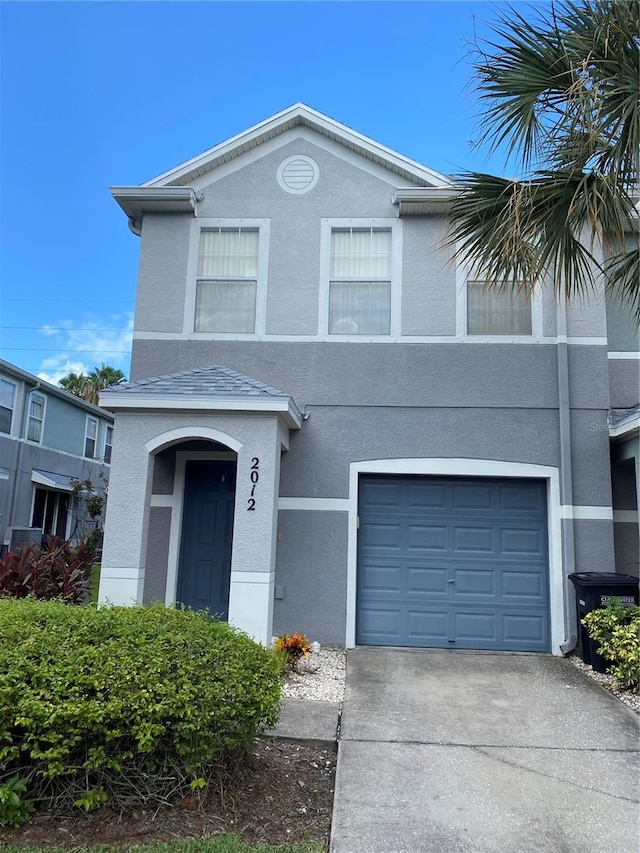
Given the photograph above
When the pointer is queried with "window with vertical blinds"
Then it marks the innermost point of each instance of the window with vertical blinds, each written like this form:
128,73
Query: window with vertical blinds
360,281
227,280
497,312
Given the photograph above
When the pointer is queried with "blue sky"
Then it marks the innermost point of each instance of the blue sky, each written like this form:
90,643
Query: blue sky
99,94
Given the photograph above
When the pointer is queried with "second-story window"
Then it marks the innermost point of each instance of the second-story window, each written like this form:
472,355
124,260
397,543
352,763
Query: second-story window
497,312
90,436
108,443
7,405
36,418
360,281
227,280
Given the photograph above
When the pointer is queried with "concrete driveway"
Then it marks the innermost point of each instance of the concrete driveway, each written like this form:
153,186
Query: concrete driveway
468,751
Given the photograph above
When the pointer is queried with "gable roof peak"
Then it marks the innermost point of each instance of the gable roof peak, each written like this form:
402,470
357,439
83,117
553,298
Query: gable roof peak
299,114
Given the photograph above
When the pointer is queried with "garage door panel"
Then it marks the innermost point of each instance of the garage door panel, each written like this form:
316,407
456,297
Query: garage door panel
474,540
474,629
474,581
476,496
453,563
427,537
382,576
523,499
381,535
523,585
382,625
383,495
423,579
522,541
525,629
432,495
428,627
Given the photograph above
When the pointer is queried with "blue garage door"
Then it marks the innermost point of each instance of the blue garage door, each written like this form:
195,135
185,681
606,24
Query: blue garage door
451,562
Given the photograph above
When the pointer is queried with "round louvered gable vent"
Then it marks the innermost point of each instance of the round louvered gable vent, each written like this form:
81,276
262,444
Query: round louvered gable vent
298,174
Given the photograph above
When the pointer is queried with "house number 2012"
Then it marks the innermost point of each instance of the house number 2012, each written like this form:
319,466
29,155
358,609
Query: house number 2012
254,476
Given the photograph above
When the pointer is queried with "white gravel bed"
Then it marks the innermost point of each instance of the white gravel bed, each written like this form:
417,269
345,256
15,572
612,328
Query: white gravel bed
608,682
319,677
322,677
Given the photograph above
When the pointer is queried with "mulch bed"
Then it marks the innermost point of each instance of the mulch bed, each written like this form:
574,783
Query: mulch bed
285,796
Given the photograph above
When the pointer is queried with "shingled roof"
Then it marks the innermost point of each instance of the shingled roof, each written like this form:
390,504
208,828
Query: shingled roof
214,387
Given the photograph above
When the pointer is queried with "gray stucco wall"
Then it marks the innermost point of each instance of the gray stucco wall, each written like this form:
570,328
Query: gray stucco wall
428,279
622,332
164,251
624,383
371,401
155,581
311,566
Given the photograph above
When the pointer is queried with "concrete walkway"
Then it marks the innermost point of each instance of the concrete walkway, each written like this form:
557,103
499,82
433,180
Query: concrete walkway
460,751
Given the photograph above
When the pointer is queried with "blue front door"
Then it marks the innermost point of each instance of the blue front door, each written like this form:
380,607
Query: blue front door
207,533
453,562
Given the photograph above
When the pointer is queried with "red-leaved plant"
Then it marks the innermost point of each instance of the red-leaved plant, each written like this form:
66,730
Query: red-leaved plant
57,570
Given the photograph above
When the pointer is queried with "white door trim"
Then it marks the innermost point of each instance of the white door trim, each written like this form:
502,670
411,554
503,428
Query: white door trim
464,468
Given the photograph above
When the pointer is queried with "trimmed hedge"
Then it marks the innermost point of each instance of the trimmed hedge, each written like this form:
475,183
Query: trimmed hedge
126,704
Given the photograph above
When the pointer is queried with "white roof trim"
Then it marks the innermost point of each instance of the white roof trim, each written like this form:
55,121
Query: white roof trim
298,114
41,479
136,200
139,401
626,428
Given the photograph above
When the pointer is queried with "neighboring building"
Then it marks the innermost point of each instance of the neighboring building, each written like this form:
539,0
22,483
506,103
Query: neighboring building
48,437
346,435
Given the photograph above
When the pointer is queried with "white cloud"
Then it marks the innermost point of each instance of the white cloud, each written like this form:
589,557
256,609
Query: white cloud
95,341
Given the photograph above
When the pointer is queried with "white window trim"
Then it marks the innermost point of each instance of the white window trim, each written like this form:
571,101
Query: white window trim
35,395
58,493
86,436
197,225
107,427
326,226
15,403
465,273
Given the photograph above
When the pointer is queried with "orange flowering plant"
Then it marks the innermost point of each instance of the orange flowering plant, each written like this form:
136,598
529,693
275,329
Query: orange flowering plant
295,646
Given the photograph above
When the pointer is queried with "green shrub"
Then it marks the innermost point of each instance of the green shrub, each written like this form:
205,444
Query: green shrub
59,570
126,704
617,630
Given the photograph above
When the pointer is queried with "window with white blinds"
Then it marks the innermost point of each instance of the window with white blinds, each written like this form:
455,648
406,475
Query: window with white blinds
227,280
497,312
360,281
36,418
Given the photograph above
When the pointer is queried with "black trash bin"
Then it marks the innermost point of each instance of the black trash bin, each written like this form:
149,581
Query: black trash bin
593,590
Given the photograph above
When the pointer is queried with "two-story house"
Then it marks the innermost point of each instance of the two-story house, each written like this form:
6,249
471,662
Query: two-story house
332,427
48,439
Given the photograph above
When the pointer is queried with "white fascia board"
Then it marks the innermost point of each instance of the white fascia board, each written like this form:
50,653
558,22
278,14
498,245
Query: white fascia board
134,200
290,117
143,402
625,430
42,480
421,200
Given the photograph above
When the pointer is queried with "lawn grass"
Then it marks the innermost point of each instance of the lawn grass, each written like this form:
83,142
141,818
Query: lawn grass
223,844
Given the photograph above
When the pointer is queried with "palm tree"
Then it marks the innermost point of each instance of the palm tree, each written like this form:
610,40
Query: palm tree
89,386
74,383
561,91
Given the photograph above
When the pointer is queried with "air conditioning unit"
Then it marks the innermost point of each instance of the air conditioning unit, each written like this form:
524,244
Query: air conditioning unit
17,537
